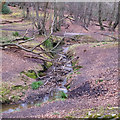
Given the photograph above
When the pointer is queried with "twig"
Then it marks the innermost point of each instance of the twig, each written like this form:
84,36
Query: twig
71,60
26,41
37,74
25,33
6,21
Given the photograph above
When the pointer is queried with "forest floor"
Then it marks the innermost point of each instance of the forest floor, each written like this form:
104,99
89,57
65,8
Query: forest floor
93,86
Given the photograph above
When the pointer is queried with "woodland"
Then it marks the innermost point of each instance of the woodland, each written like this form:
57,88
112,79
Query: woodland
59,60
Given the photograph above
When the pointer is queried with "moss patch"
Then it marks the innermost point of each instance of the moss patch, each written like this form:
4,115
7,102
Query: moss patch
11,93
99,112
36,85
30,73
84,39
48,64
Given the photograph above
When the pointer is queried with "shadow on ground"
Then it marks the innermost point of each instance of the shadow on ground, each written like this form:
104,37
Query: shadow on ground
86,89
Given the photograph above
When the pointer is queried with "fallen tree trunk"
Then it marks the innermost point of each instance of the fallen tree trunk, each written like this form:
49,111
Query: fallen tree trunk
102,25
8,21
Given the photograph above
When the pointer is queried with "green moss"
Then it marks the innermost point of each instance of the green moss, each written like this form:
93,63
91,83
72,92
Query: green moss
31,44
76,68
4,92
38,104
62,95
98,81
78,72
48,44
85,39
98,44
68,87
36,85
15,34
109,116
41,74
30,73
19,87
56,113
10,93
26,38
69,117
48,64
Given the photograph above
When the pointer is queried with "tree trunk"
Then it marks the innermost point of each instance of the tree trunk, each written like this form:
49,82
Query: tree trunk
44,18
61,15
38,18
55,16
112,17
100,15
117,18
28,13
90,15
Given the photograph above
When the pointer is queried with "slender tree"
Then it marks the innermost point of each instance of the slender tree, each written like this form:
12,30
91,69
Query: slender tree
117,18
100,16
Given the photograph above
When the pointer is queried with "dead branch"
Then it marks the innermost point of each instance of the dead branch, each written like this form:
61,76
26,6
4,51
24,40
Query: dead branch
25,33
71,60
26,40
37,74
27,50
53,24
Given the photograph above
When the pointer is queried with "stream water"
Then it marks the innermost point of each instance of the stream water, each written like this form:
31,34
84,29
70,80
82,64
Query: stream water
47,97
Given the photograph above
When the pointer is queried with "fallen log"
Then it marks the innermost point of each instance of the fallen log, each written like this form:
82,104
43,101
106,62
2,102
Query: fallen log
103,25
8,21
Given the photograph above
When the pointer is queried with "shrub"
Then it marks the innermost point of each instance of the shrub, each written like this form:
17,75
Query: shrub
36,85
6,9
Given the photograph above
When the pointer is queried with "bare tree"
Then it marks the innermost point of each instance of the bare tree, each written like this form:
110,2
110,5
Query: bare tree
90,15
61,15
44,17
119,22
100,16
117,19
112,16
55,16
